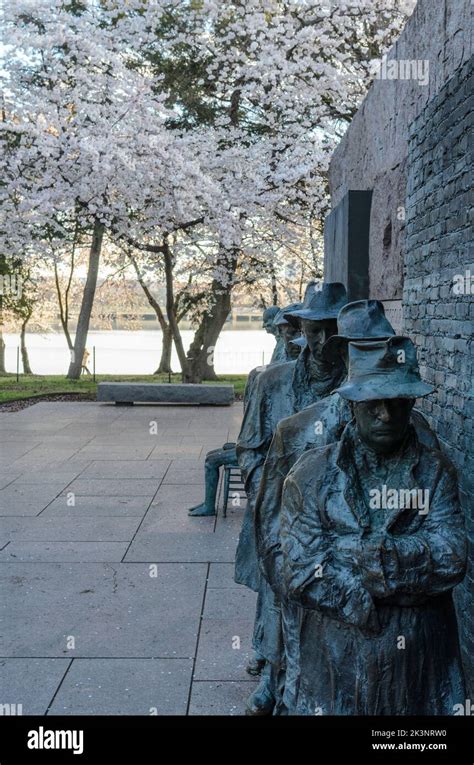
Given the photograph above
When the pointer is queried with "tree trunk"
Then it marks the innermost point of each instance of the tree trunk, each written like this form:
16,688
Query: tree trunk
200,359
3,371
24,350
274,286
83,321
63,309
165,361
170,307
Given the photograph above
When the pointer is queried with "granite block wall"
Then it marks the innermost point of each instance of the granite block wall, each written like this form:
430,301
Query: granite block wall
373,153
411,144
438,292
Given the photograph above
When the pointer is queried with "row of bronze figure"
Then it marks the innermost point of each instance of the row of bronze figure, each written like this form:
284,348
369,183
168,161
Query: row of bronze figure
353,536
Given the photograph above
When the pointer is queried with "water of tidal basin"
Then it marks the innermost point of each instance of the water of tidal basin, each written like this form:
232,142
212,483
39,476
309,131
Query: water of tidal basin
127,352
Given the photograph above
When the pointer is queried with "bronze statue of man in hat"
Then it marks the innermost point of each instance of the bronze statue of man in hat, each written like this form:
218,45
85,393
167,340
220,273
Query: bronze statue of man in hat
373,543
274,323
268,323
286,348
280,391
288,332
317,425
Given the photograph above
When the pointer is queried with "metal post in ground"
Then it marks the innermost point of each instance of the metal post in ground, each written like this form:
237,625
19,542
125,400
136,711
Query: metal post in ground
18,364
93,363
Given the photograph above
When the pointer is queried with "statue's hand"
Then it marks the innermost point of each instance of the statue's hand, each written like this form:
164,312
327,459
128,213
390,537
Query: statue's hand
369,558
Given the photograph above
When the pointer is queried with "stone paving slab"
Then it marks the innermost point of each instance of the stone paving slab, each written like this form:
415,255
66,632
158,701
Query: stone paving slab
225,648
124,469
220,698
76,529
82,552
169,496
8,478
13,451
221,575
167,451
28,499
163,517
125,687
182,546
95,507
53,452
130,452
111,487
183,475
110,610
86,570
9,527
189,461
235,600
40,462
31,683
59,473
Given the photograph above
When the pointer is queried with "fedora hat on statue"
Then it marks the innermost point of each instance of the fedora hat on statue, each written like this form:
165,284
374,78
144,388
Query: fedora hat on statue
280,318
359,320
383,369
270,313
322,300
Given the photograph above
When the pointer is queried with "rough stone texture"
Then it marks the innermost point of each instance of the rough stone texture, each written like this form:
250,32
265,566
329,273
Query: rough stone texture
409,144
373,152
439,241
161,393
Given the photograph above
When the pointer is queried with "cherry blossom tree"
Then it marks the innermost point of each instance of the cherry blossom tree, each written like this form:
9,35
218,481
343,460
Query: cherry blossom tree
86,141
192,132
268,88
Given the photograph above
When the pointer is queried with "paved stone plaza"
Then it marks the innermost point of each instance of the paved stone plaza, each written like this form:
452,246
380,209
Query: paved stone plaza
91,496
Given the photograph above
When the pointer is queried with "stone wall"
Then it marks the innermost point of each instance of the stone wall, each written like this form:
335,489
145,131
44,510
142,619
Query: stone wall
373,153
439,241
408,143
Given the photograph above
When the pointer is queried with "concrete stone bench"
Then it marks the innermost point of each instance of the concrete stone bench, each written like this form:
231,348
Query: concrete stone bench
164,393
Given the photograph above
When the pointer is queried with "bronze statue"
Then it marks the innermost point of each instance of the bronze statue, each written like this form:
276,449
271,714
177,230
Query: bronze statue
274,323
268,322
279,391
317,425
373,542
286,348
288,332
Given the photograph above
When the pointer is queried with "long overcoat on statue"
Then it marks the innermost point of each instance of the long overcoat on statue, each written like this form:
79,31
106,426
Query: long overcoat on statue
278,392
378,631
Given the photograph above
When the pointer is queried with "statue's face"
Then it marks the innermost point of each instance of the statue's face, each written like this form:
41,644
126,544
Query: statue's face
382,424
269,327
288,333
317,332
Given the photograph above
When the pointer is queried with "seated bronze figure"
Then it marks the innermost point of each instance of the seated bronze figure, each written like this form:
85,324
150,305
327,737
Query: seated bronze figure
274,322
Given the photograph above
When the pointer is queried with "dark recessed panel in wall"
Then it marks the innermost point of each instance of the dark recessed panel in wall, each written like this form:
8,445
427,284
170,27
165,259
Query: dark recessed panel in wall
346,244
